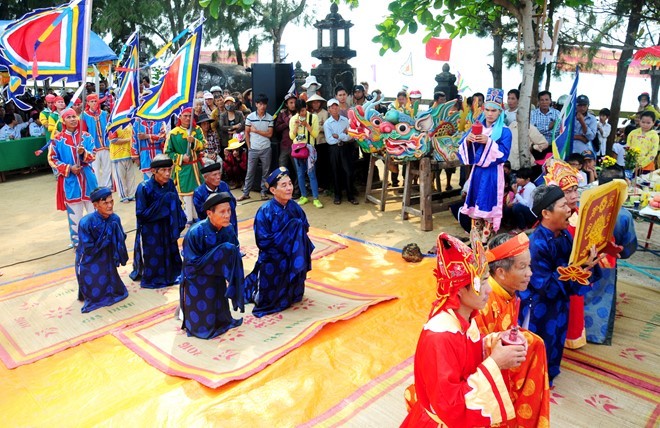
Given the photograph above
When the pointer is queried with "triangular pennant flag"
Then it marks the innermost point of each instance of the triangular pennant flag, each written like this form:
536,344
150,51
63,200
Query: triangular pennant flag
125,106
176,88
406,68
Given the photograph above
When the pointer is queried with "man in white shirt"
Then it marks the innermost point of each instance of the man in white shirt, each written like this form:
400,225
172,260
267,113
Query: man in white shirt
340,152
603,130
258,130
12,129
512,98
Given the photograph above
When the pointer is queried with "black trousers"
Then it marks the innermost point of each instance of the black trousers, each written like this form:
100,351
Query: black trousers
341,160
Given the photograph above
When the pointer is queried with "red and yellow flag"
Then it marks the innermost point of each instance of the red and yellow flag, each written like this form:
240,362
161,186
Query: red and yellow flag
438,49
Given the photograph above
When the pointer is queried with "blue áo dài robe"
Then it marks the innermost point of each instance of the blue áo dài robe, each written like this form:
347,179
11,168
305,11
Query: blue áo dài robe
285,257
101,249
600,301
202,192
544,305
485,185
160,220
212,274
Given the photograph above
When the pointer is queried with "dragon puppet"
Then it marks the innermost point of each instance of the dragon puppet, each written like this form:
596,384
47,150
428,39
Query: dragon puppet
436,132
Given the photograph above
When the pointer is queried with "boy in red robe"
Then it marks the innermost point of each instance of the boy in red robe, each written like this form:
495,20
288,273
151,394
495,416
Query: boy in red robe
459,373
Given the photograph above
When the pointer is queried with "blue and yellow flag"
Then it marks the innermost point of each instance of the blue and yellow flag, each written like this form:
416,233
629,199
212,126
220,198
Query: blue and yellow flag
562,133
176,88
128,96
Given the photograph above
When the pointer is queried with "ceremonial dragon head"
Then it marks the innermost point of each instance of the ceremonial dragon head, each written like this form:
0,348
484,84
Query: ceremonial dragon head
364,124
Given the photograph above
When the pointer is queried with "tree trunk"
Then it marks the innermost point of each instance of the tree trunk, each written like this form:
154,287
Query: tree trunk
622,69
530,52
237,49
276,49
496,69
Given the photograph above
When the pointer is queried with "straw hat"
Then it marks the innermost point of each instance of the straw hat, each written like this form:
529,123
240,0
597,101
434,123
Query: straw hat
315,97
234,144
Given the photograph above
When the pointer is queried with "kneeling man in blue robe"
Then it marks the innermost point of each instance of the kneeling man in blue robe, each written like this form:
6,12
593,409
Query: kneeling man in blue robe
212,272
285,250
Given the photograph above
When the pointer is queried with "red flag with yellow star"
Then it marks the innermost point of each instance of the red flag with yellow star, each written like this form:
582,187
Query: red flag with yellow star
438,49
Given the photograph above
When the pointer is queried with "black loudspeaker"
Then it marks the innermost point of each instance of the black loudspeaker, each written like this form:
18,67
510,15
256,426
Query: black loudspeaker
272,80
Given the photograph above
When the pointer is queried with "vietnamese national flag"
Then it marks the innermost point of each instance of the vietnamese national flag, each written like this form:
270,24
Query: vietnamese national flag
438,49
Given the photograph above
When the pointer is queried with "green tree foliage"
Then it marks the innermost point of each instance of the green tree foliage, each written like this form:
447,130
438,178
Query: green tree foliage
227,22
272,16
14,9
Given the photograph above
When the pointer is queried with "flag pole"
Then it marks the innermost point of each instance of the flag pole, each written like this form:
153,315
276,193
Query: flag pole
193,87
85,59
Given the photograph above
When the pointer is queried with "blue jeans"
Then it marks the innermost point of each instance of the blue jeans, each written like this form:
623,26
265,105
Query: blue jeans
301,167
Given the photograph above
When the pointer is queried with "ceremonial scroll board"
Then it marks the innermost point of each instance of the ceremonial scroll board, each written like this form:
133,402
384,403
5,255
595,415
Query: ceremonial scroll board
599,208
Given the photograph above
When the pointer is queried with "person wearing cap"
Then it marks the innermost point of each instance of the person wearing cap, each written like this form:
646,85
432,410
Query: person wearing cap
212,173
215,91
212,150
95,121
123,158
340,153
545,116
303,129
54,121
46,112
235,163
487,150
415,98
509,263
71,154
102,249
600,301
185,146
585,127
589,166
545,304
212,272
208,103
258,130
323,168
358,98
160,221
460,374
149,141
645,138
285,251
230,122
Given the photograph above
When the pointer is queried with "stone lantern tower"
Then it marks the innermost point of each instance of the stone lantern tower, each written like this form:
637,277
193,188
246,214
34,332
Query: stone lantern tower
334,51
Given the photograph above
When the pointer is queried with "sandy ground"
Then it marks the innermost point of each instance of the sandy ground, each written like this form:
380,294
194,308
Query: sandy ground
35,235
